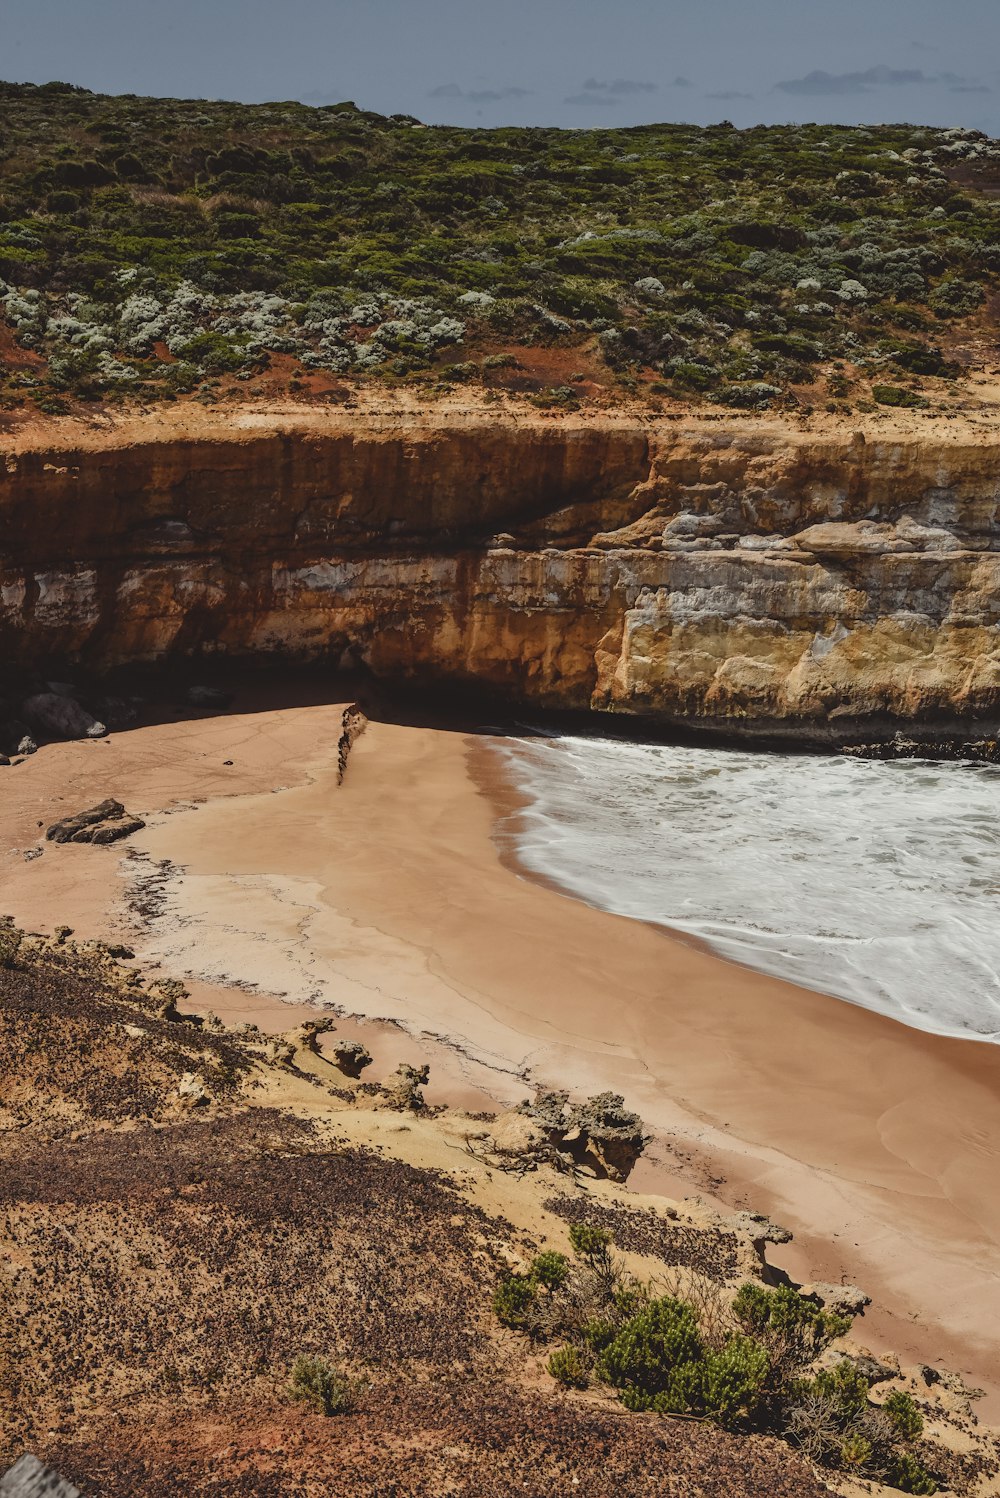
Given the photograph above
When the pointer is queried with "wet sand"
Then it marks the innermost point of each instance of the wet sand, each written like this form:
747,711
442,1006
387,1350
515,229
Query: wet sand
386,897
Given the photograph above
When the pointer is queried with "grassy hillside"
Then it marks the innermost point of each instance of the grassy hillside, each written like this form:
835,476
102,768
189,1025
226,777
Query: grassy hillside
156,247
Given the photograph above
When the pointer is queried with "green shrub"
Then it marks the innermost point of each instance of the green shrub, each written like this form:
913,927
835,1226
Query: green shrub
855,1452
213,352
733,1379
692,376
909,1475
654,1358
783,1315
568,1366
923,359
513,1301
846,1387
955,297
589,1242
901,1409
894,395
318,1383
598,1332
550,1269
792,345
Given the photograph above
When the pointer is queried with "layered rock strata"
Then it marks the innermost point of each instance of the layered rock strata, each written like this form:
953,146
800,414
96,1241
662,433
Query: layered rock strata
735,575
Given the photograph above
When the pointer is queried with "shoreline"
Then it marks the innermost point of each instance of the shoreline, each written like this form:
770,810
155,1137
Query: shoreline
875,1143
510,801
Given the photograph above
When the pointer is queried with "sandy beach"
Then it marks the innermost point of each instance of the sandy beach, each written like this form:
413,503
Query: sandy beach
274,888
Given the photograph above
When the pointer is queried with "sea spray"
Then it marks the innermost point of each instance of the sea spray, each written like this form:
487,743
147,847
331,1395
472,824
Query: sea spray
876,882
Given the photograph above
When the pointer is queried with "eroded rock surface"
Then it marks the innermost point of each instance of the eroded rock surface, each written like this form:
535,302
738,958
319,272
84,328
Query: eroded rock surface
736,575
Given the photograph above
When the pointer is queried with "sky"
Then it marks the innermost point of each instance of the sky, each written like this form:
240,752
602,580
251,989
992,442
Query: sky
578,63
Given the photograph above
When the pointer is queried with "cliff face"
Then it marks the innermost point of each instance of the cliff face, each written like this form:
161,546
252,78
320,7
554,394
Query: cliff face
729,574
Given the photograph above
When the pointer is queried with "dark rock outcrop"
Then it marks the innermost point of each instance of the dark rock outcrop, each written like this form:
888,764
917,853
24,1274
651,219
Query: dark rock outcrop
55,716
105,823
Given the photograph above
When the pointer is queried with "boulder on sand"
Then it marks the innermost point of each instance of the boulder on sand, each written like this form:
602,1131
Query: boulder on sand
104,823
57,717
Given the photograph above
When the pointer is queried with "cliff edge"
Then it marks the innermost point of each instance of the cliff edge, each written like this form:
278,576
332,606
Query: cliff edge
799,578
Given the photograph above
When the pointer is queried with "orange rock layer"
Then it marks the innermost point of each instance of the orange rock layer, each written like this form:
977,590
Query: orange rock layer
737,575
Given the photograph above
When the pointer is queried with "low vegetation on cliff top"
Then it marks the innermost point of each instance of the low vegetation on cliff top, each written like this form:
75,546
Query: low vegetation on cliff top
747,1362
155,248
211,1286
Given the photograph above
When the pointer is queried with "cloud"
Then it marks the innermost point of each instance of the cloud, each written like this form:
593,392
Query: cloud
477,95
488,95
819,82
605,92
970,88
729,94
681,82
619,86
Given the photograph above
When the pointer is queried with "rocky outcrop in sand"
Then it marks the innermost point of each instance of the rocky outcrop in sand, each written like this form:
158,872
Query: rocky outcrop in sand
732,574
598,1135
108,822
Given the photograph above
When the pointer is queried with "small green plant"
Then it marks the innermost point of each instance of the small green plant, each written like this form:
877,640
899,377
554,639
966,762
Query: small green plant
513,1301
568,1366
855,1452
550,1269
317,1382
909,1475
590,1243
895,395
653,1358
902,1411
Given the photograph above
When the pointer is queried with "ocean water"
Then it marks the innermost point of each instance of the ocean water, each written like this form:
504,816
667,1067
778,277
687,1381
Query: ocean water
875,882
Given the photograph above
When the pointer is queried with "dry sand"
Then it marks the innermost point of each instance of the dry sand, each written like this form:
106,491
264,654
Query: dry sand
386,897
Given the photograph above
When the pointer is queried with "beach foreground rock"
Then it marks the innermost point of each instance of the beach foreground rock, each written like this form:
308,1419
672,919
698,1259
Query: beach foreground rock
108,822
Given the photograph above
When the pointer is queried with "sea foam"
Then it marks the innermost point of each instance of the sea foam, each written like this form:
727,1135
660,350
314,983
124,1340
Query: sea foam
876,882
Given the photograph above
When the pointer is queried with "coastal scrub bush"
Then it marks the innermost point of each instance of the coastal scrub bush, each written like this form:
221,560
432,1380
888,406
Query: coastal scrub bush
832,1420
654,1358
955,297
793,1326
906,1419
745,1364
514,1300
317,1382
659,1361
845,1386
568,1366
895,395
590,1243
733,1380
909,1475
550,1269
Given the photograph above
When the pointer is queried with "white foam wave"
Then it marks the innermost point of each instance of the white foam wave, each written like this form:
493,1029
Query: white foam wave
876,882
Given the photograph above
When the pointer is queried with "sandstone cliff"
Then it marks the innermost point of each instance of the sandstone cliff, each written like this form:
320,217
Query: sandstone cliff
728,573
